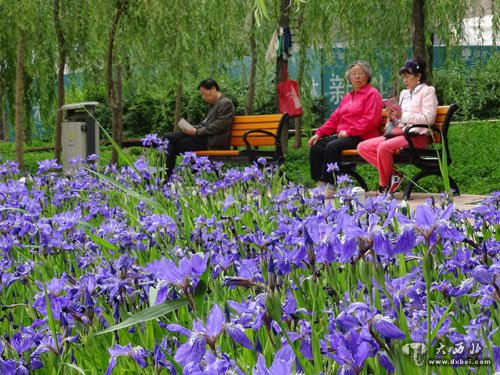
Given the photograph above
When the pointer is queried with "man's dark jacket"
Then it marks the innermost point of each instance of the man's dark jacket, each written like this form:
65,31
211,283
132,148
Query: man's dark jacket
219,121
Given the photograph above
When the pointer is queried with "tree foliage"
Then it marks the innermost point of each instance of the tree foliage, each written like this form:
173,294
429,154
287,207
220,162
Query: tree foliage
166,46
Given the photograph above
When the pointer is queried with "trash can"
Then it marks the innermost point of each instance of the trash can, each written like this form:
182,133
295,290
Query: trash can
80,134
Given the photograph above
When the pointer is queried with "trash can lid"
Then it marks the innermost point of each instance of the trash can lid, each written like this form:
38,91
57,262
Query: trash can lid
79,105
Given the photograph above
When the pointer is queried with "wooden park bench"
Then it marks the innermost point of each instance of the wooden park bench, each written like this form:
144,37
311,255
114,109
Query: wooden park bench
252,137
426,160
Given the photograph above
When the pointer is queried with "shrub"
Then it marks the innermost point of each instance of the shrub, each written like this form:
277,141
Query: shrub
474,88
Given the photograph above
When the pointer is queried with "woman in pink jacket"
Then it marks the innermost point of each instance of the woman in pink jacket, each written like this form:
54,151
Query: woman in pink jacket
418,106
357,118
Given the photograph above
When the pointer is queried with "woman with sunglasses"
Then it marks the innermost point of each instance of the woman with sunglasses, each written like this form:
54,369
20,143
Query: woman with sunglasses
417,105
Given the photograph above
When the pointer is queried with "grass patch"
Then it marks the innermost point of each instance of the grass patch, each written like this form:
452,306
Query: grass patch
474,148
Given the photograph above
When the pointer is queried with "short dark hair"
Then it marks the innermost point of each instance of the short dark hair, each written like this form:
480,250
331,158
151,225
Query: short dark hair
414,67
208,83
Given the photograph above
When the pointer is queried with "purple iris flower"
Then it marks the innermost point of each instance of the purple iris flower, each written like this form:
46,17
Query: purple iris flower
430,221
332,167
371,234
77,161
22,342
319,239
48,166
350,351
356,315
385,362
160,225
202,335
262,161
213,365
9,168
142,166
496,357
153,140
464,287
137,353
488,295
483,275
251,312
386,329
304,337
11,367
282,363
184,275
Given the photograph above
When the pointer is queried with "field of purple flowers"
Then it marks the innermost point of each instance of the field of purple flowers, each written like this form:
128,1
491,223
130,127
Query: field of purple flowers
236,271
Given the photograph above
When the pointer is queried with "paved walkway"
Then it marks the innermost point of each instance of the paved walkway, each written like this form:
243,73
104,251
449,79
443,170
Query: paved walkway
464,201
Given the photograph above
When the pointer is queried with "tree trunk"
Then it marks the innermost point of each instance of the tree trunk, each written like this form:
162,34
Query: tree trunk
114,84
60,79
253,70
178,104
19,101
117,112
4,135
418,31
430,58
300,76
3,123
284,21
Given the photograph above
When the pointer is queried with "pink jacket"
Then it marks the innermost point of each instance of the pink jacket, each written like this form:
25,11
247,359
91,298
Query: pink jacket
359,114
422,107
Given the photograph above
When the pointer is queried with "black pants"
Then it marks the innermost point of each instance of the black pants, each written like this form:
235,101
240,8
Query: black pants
179,143
327,150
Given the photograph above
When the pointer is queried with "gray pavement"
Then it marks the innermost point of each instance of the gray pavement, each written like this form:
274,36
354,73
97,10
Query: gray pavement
464,201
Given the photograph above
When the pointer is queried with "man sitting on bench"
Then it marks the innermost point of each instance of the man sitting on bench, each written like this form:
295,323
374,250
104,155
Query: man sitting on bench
213,133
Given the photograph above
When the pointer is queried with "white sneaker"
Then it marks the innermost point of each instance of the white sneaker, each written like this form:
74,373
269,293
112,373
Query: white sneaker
396,180
321,185
329,191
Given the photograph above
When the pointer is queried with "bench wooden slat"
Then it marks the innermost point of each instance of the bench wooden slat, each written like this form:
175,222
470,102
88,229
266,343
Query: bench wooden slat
257,119
218,152
238,132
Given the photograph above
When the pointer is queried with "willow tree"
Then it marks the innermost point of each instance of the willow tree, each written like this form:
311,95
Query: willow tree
61,43
188,39
19,104
26,21
80,44
113,77
7,69
384,33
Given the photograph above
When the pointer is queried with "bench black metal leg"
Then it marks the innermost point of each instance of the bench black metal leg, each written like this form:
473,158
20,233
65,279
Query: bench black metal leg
454,186
422,174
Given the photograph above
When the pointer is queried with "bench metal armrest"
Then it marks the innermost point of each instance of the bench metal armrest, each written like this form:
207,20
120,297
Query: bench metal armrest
245,135
409,135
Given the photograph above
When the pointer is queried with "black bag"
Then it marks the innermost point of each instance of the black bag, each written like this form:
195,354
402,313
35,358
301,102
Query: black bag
392,130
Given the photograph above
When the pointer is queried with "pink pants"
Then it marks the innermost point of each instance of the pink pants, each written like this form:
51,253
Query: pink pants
379,153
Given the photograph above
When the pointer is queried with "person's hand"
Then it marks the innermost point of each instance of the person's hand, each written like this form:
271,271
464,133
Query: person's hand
393,114
190,131
312,141
342,134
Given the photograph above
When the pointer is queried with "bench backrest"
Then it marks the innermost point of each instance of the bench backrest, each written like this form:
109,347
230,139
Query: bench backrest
271,123
442,122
